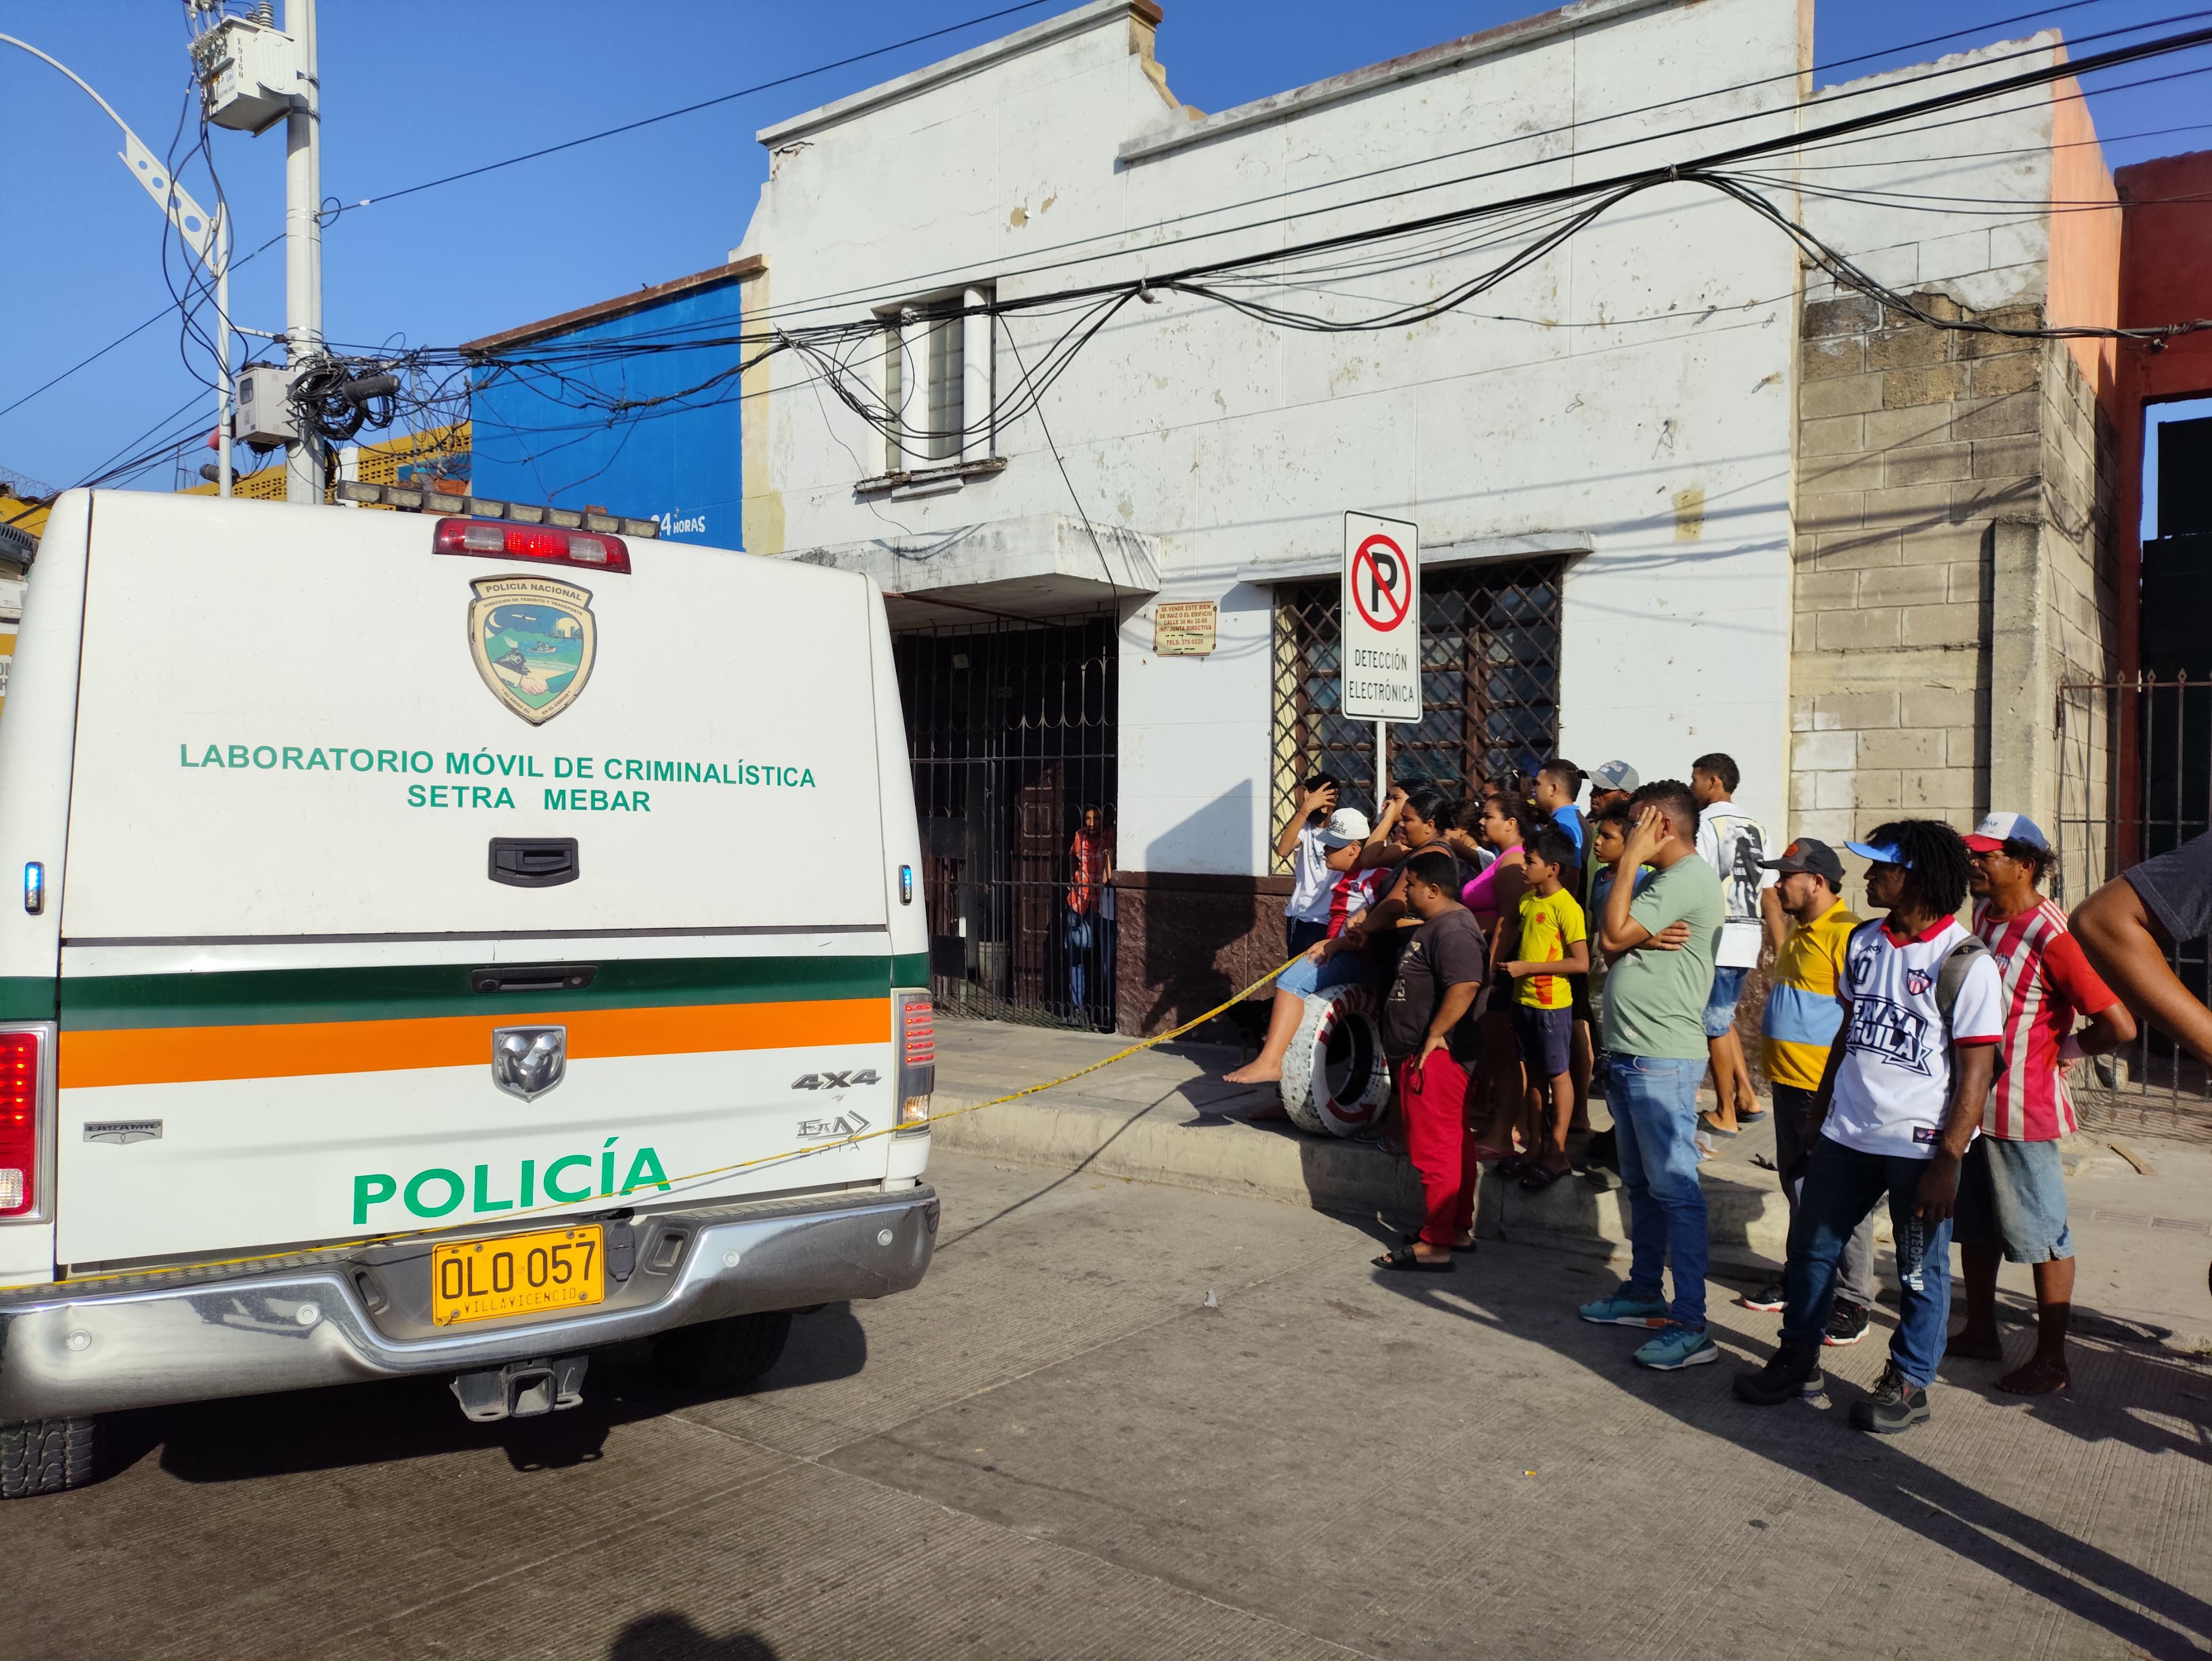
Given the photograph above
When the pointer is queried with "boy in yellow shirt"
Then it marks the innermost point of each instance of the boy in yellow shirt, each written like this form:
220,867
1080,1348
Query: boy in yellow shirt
1550,944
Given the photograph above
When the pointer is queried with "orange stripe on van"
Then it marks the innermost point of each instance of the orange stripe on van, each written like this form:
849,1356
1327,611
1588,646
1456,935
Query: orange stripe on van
186,1055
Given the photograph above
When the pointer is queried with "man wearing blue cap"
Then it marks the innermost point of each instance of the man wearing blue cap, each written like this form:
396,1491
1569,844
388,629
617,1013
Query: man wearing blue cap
1898,1102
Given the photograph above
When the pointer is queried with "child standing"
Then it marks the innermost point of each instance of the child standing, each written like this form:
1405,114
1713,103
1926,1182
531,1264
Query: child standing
1552,944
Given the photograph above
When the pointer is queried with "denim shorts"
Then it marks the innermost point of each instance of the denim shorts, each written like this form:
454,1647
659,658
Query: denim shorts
2012,1195
1720,1002
1305,975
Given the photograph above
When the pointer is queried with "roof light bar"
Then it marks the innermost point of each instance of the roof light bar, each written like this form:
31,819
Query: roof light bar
490,538
414,499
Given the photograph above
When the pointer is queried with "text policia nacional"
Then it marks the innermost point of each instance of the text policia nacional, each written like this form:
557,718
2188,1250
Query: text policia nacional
596,784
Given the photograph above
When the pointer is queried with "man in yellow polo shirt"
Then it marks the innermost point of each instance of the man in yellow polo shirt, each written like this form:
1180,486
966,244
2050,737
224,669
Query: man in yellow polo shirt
1800,1022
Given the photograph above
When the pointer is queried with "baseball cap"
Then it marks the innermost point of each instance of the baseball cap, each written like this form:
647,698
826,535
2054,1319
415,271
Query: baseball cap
1881,853
1809,853
1998,828
1346,825
1614,775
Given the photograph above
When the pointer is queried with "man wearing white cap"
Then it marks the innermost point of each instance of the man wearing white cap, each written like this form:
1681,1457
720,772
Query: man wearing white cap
2012,1192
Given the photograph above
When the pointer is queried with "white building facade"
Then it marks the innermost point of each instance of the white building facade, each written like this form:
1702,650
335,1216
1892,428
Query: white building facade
1602,451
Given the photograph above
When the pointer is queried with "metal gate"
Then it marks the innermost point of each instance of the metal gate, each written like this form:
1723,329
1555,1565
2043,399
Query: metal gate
1490,683
1010,730
2106,826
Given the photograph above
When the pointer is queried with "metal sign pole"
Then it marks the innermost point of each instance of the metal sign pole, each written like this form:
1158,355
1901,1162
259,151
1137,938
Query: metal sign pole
1381,765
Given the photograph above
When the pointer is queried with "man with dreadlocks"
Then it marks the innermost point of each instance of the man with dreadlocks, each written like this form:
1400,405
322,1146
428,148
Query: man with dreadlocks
1898,1102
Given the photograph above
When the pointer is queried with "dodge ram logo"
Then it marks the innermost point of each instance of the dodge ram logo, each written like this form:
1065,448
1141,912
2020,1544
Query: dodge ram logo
529,1061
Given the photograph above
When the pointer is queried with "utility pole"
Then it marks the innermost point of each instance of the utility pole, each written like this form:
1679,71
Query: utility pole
303,242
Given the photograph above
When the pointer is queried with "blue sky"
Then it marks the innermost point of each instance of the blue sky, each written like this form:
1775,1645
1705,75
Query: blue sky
414,90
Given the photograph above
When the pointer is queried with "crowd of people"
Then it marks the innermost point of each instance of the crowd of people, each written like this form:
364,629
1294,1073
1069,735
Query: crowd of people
1515,936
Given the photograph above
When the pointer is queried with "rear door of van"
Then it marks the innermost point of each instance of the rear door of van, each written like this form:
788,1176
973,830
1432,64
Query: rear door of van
355,824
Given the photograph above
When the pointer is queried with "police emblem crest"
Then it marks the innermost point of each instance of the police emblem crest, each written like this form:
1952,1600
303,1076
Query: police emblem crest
533,639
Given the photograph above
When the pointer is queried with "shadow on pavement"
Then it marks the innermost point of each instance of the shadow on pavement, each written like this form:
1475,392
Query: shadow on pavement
1883,1475
257,1436
672,1637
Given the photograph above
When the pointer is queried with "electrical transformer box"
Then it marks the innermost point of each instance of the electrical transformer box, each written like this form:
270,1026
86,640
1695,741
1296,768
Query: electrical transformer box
265,418
249,74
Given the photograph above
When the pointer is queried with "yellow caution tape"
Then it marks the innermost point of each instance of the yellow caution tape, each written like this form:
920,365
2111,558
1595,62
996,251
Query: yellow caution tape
674,1182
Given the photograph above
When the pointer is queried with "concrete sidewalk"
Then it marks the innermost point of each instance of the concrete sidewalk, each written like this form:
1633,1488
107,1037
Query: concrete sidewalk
1164,1116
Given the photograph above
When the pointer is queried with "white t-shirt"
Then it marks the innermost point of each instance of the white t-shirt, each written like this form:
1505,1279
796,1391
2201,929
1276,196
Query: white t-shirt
1734,843
1310,878
1895,1080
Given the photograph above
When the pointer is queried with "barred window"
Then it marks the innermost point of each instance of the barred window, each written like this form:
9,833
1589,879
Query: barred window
1490,683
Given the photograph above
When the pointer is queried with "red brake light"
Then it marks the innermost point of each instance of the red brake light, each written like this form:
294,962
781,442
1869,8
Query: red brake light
19,1123
920,1037
492,538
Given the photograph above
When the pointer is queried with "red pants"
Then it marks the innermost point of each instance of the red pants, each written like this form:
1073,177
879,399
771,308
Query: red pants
1432,1101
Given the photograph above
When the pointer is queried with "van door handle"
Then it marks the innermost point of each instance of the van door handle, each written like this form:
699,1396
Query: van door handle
533,977
534,861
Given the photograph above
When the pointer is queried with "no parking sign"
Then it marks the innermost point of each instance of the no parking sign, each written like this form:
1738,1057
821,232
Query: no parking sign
1379,677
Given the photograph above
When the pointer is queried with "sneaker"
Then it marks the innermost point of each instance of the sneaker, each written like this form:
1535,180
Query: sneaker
1847,1323
1678,1346
1792,1374
1768,1298
1895,1405
1626,1309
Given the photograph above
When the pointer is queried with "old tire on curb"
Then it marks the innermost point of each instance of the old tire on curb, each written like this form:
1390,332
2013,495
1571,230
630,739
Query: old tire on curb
46,1455
722,1355
1334,1078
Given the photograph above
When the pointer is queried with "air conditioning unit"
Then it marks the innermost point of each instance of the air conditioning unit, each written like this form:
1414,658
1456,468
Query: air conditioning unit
265,419
249,74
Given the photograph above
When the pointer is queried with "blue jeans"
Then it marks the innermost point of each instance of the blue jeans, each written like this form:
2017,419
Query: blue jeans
1305,976
1842,1186
1654,1100
1079,949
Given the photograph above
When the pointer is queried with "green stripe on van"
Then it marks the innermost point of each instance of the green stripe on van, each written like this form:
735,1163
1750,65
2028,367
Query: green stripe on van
267,996
910,970
30,997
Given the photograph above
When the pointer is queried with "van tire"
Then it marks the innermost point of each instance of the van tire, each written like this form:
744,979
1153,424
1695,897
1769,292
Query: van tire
1334,1077
46,1455
722,1355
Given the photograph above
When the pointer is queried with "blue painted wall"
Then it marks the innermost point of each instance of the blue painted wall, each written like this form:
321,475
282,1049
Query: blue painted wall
680,463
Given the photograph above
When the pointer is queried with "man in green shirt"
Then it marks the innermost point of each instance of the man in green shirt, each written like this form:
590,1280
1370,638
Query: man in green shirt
1655,1032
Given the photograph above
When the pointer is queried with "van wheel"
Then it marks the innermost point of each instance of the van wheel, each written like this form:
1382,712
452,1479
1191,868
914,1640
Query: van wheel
45,1456
1334,1078
719,1355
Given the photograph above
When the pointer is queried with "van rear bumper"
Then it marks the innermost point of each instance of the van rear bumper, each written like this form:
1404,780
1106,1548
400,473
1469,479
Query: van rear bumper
66,1353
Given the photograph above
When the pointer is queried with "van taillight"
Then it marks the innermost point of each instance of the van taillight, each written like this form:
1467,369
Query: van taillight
916,1034
490,538
20,1127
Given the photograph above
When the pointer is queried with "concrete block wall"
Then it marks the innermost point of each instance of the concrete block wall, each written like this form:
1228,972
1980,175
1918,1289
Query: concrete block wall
1952,565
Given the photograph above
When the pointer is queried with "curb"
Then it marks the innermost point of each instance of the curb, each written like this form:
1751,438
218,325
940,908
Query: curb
1747,1226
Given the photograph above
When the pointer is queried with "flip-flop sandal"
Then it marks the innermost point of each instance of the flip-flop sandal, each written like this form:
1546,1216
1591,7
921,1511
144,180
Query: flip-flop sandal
1705,1124
1404,1259
1535,1178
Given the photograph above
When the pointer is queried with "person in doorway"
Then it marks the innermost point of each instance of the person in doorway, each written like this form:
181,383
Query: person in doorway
1432,1044
1654,1001
1734,845
1305,916
1547,944
2012,1191
1090,855
1796,1031
1900,1096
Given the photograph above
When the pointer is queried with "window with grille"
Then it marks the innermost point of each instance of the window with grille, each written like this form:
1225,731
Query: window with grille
1490,683
925,384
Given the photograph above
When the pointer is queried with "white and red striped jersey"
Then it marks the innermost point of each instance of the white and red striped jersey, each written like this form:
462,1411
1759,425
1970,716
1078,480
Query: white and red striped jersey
2048,983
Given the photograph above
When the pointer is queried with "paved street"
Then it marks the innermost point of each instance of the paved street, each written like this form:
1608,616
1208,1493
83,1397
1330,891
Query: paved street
1058,1447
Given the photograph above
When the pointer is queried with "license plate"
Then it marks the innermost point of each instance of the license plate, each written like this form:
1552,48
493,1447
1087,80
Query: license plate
551,1270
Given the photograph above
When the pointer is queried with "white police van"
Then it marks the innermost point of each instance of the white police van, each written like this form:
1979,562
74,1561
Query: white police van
444,946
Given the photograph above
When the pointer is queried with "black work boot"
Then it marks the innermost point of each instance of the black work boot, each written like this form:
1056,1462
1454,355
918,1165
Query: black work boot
1793,1372
1896,1404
